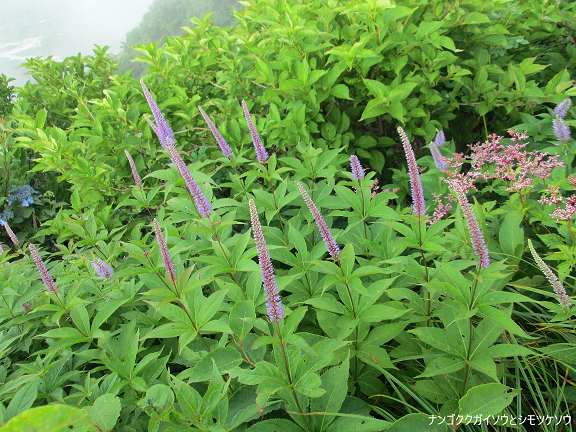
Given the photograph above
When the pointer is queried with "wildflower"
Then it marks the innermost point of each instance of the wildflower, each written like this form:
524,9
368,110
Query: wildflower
9,232
439,160
134,170
46,278
102,269
559,289
166,259
561,130
476,236
418,205
25,306
226,150
440,139
261,153
163,131
562,108
357,171
273,300
327,236
202,204
1,250
23,194
441,209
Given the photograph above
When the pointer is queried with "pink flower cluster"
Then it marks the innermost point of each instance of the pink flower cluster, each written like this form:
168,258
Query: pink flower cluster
554,197
518,168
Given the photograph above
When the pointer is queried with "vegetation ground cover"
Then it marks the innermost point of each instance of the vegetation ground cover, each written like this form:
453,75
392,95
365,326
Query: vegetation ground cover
333,216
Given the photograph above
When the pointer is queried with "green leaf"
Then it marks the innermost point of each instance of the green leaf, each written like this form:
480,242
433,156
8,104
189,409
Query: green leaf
81,319
507,350
105,411
49,418
486,400
380,312
417,423
335,382
23,399
237,323
439,339
340,91
188,398
275,425
443,365
226,358
293,320
475,18
309,385
512,235
484,364
500,318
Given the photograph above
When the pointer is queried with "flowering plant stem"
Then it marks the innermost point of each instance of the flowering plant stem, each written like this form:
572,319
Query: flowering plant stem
356,338
233,273
289,375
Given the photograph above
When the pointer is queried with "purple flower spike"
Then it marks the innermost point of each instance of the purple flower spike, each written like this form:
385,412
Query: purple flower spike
440,139
102,269
561,130
559,289
163,131
327,236
476,236
202,204
418,205
261,153
9,232
226,150
439,160
166,259
562,108
134,170
357,170
273,300
44,274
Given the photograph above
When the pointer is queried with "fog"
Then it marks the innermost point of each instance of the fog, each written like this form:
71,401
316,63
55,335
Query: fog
62,28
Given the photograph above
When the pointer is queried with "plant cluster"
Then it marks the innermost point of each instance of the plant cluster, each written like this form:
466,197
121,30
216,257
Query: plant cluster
179,328
206,265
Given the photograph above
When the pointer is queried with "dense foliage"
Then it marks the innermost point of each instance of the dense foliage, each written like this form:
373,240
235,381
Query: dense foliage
274,246
165,18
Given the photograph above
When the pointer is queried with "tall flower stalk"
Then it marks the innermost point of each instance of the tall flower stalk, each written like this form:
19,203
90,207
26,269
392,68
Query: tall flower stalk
418,204
102,269
10,232
476,236
169,267
327,236
163,130
273,300
226,150
262,156
559,289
